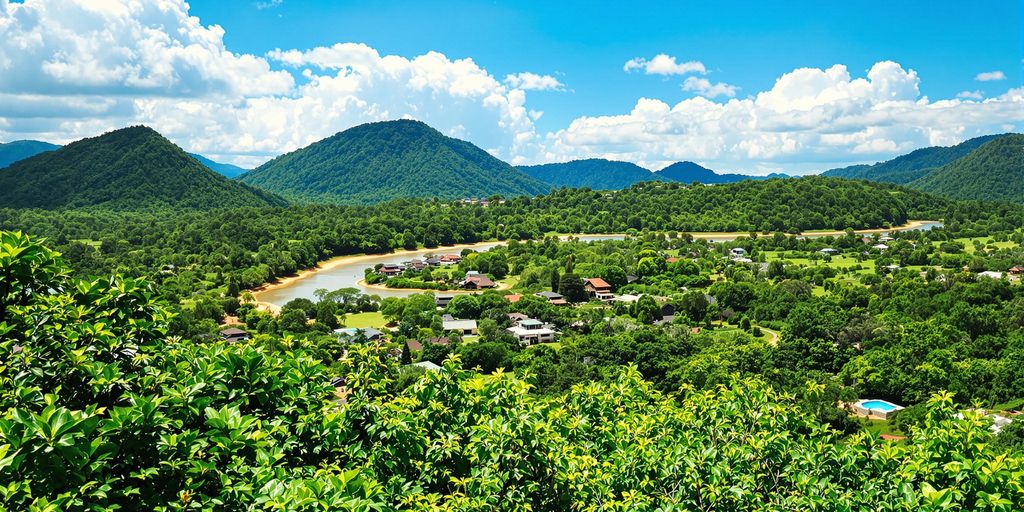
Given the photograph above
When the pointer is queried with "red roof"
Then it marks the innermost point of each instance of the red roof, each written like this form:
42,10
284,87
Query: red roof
513,297
597,282
671,260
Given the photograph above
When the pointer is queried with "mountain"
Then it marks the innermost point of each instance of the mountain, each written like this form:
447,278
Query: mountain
911,166
994,171
11,152
387,160
226,170
594,173
689,172
132,168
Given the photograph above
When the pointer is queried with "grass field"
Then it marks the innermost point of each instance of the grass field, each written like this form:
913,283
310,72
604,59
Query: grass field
363,320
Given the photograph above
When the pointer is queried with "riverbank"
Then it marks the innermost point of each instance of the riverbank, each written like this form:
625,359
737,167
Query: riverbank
362,282
326,266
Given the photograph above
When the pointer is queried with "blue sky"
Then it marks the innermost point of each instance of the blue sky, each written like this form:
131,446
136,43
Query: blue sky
753,87
584,44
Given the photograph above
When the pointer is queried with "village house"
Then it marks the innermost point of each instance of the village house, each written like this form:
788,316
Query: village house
232,335
477,282
991,274
450,259
880,247
1016,270
416,346
598,288
737,252
515,317
349,334
391,269
553,298
531,332
463,327
432,261
442,301
512,298
828,251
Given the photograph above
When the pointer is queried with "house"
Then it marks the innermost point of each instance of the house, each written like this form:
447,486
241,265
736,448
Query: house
1016,270
515,317
991,275
886,238
432,261
671,260
530,332
391,269
626,298
351,333
232,335
416,264
553,298
416,346
880,247
477,282
429,366
442,301
866,240
737,252
828,251
598,288
450,259
512,298
630,278
464,327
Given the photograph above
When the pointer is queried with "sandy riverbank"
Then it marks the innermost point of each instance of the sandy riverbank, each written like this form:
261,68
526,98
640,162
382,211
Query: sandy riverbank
364,284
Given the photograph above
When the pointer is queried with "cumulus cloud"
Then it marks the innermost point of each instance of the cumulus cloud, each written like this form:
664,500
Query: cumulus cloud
663,64
990,76
534,82
811,119
76,68
704,87
970,95
269,4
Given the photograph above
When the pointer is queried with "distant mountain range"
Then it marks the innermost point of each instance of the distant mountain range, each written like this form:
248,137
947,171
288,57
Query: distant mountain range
226,170
689,172
387,160
11,152
132,168
990,167
601,174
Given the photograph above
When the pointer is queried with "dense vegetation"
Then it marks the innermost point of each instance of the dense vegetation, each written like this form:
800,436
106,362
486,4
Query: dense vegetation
907,168
129,169
101,410
689,172
594,173
379,161
13,151
245,247
994,171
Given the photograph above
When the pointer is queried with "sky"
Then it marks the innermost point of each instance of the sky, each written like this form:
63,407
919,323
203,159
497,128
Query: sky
754,87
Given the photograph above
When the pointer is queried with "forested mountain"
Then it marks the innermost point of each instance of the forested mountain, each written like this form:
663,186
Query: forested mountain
994,171
13,151
133,168
379,161
911,166
689,172
227,170
594,173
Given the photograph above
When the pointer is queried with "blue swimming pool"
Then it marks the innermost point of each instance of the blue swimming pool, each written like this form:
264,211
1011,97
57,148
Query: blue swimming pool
878,405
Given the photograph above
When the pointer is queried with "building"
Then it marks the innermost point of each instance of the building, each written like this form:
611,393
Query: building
512,298
351,333
1016,270
442,301
515,317
627,298
391,269
991,275
477,282
463,327
737,252
416,346
531,332
880,247
828,251
598,288
232,335
450,259
429,366
553,298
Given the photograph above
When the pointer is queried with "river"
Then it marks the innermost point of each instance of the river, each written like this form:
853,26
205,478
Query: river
347,271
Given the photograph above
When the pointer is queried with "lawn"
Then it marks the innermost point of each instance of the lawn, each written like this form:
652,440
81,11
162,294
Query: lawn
363,320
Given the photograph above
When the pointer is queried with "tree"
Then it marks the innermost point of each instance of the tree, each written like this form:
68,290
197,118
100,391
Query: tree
646,310
571,287
487,356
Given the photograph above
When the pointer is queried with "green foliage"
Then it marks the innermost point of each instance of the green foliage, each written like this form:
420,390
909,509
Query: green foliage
994,171
129,169
907,168
376,162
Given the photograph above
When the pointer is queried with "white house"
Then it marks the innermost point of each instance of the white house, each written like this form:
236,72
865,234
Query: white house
990,274
463,327
530,331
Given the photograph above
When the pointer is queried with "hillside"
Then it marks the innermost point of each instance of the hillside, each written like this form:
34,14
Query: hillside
911,166
689,172
994,171
227,170
14,151
132,168
594,173
380,161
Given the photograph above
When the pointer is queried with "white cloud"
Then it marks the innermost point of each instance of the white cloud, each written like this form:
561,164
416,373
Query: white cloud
970,95
534,82
663,64
268,4
990,76
704,87
811,119
76,68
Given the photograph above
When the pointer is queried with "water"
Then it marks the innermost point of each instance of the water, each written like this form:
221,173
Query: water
878,405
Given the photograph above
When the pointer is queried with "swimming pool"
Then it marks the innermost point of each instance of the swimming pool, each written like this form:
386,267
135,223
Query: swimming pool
876,408
878,405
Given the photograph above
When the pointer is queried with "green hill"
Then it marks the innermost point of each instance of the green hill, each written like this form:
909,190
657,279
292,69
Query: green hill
911,166
594,173
380,161
689,172
14,151
132,168
994,171
227,170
